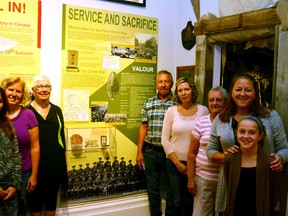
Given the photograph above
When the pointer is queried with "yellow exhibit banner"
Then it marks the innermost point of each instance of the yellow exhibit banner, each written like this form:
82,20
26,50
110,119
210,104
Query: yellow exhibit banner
20,38
110,60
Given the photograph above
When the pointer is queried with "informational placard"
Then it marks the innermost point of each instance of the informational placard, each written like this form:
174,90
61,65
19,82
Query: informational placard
20,38
114,56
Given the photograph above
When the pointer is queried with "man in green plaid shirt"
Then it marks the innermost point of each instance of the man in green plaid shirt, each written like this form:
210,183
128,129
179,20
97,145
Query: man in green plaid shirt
149,143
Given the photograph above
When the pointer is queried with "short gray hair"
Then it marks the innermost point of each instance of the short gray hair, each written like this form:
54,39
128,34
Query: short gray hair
39,78
219,89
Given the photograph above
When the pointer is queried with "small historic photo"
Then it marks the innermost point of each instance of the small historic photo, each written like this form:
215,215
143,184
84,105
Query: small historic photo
123,50
115,118
146,46
98,110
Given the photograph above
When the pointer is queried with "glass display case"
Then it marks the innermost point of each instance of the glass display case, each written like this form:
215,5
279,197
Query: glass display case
94,171
87,142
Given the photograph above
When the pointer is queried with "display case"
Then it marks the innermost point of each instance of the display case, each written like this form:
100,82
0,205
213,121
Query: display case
87,142
94,170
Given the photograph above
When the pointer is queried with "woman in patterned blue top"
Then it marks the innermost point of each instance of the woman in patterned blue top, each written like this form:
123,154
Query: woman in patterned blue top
10,162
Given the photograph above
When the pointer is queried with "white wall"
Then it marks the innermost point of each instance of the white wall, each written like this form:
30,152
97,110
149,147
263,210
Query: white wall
185,13
209,6
172,16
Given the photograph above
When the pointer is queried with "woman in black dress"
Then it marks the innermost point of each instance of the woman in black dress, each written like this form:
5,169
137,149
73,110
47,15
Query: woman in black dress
52,170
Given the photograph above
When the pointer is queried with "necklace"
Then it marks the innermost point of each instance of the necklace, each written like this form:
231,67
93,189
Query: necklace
43,110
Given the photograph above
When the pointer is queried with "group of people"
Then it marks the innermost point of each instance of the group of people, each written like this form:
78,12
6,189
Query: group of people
226,159
32,151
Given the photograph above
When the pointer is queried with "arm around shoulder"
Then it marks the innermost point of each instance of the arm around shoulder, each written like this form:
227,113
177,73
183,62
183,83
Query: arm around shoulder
214,149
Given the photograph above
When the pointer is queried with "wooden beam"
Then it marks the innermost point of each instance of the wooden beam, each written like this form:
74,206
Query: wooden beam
249,20
281,78
281,10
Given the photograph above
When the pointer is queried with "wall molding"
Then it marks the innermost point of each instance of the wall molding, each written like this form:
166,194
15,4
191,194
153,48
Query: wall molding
127,205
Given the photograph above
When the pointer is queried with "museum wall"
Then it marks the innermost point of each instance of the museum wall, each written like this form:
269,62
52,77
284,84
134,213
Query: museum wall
172,18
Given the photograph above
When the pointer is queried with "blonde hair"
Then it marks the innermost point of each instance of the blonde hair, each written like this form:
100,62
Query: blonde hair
11,81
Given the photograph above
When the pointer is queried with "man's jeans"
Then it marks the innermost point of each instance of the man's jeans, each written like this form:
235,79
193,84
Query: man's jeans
155,168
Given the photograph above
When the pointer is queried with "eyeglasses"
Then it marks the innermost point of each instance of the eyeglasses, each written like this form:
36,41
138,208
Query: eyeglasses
41,87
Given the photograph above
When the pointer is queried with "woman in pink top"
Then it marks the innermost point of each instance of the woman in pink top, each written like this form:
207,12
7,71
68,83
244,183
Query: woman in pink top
203,173
178,123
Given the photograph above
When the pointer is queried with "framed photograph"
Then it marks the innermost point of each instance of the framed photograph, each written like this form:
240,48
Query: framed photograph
185,71
141,3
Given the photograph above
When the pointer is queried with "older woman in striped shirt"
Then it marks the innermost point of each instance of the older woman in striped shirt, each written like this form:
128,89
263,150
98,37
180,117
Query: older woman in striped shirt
202,172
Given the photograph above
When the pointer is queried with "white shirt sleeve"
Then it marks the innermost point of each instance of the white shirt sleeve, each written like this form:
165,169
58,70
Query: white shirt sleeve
167,130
